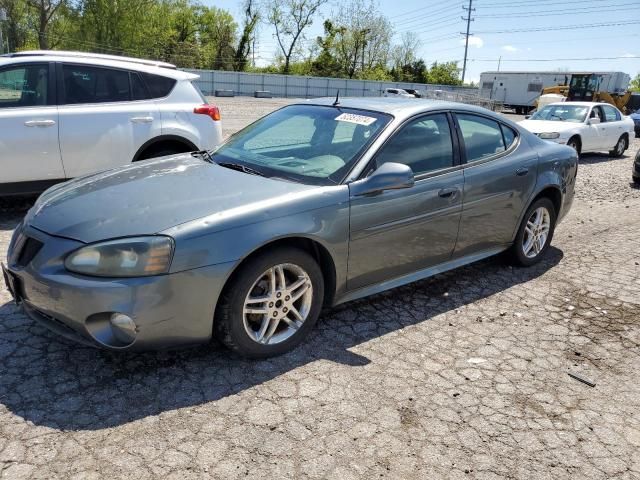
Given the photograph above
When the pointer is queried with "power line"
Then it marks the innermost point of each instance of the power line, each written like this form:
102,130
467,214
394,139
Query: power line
410,12
555,59
582,11
565,27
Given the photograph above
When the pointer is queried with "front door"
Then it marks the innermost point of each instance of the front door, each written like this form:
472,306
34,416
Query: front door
101,124
401,231
29,149
499,178
595,135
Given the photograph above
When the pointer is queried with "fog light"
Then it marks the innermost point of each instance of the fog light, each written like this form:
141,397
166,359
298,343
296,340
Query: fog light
124,328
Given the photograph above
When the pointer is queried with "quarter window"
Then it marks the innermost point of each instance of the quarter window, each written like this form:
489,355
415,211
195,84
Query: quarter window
84,84
509,135
423,144
158,86
482,136
24,86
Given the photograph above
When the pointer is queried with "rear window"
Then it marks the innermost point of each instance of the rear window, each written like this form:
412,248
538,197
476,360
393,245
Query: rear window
157,85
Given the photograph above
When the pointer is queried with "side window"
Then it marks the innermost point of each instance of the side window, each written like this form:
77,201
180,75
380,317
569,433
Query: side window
509,135
596,112
482,136
138,90
158,86
611,114
423,144
83,84
24,86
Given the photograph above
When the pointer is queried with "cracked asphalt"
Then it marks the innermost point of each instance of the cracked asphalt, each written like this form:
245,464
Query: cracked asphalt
464,375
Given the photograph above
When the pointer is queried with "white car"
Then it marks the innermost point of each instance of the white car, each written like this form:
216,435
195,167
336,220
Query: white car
397,92
67,114
585,126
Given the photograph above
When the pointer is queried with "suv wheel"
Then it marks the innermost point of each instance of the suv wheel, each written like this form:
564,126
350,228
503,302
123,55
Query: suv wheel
535,233
271,304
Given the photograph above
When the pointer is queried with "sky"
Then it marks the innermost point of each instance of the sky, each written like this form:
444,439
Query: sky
518,34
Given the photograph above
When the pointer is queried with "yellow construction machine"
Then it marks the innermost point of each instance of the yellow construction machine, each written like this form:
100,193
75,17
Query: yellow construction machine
585,88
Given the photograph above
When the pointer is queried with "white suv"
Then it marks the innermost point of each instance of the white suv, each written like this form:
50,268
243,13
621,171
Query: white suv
67,114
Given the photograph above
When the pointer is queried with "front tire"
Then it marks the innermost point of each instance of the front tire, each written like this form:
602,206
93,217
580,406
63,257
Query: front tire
574,142
271,303
620,148
535,233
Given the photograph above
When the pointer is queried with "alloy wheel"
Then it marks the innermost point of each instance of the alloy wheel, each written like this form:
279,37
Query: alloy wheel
277,304
620,146
536,232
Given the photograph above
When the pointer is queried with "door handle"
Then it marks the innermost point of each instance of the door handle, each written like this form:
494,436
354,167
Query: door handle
448,192
522,171
40,123
141,119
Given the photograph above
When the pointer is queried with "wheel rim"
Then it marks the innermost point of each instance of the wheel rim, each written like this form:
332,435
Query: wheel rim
620,147
277,304
536,232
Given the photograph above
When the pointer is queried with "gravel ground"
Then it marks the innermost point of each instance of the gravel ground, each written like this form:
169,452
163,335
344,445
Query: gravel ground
464,375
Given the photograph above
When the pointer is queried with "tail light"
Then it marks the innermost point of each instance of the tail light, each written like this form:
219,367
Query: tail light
212,111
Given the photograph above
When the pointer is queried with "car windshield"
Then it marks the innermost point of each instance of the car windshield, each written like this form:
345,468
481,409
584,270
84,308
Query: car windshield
562,113
309,144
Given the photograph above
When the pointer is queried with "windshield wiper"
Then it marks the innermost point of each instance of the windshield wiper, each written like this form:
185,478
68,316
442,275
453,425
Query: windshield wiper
241,168
204,154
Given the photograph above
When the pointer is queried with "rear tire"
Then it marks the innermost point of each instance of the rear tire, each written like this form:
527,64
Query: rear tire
535,233
262,313
620,148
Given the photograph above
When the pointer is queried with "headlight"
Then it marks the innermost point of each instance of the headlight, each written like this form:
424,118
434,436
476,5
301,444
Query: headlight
126,257
549,135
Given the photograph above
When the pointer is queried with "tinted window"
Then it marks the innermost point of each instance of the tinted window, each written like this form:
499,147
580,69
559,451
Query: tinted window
611,114
482,136
509,135
307,143
24,86
423,144
158,86
84,84
138,90
597,112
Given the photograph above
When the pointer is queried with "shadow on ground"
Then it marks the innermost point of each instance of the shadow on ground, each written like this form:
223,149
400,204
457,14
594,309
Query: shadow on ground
52,382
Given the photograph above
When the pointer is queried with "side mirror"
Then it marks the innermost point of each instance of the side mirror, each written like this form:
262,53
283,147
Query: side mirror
389,176
594,121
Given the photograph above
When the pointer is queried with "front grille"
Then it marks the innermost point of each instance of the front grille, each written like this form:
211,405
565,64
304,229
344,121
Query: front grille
29,249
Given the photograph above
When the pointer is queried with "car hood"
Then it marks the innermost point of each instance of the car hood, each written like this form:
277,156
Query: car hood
540,126
150,197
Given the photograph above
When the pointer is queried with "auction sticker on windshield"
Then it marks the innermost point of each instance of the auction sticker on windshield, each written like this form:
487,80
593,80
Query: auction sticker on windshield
353,118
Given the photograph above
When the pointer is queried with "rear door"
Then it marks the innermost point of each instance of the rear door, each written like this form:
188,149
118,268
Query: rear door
105,117
401,231
499,178
29,148
614,126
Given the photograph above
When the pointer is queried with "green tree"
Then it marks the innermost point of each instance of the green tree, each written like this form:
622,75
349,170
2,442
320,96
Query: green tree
290,18
247,38
634,86
446,73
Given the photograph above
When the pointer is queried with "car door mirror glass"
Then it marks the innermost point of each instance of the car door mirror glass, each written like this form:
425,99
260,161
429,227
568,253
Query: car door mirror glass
594,121
389,176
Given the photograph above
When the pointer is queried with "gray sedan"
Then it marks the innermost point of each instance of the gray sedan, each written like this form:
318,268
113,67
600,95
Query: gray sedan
316,204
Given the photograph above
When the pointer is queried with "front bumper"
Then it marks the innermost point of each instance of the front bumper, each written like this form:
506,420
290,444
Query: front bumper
168,310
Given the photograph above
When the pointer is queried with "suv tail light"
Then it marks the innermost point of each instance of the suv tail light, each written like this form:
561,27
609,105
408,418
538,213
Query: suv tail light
209,110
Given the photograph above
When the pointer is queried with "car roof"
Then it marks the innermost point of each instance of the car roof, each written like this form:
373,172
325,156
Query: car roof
581,104
129,63
398,107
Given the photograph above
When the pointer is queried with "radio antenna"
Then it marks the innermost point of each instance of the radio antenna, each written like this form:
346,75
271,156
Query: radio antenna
337,102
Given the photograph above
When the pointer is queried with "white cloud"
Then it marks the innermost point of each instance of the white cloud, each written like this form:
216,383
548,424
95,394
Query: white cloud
630,55
509,48
474,42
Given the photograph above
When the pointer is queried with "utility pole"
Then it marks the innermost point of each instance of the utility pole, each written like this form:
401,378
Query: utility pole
499,61
468,19
3,17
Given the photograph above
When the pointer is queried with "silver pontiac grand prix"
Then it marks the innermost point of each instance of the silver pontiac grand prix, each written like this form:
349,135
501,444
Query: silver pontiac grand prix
316,204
